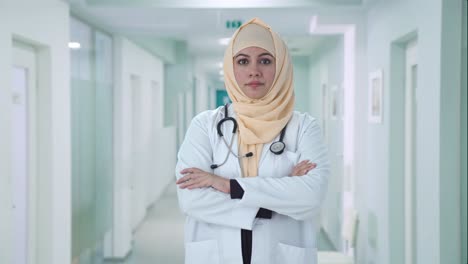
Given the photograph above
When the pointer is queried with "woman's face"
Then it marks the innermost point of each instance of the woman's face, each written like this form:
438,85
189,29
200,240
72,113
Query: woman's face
254,69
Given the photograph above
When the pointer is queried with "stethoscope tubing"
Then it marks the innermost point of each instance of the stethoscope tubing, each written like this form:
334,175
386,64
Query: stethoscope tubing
226,118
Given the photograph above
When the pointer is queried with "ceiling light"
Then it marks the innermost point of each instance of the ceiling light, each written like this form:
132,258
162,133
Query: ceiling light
74,45
313,24
224,41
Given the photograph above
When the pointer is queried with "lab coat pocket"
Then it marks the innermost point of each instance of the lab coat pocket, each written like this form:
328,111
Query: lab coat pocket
288,254
202,252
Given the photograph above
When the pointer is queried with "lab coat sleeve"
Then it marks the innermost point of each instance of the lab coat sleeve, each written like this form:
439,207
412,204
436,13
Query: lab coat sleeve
299,197
208,204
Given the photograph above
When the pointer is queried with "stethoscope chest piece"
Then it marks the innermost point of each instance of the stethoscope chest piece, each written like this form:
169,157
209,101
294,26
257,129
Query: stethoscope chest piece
277,147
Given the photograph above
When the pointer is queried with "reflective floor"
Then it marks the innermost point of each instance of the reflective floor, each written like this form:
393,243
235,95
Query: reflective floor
160,238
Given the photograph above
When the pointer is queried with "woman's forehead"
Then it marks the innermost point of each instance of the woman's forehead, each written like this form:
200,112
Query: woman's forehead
253,51
252,35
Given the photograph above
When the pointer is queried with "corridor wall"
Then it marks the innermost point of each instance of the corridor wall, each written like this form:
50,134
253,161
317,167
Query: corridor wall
142,147
301,83
464,135
326,70
44,26
179,77
201,86
437,208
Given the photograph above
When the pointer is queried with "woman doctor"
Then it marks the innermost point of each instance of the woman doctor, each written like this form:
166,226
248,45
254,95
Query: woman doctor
252,175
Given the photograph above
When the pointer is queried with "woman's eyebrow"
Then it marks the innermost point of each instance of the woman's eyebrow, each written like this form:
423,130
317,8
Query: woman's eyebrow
241,54
266,53
262,54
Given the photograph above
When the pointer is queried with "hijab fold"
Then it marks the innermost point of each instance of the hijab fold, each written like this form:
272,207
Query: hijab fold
260,120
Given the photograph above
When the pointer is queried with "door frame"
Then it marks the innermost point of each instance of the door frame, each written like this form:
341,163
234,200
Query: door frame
25,56
410,152
396,183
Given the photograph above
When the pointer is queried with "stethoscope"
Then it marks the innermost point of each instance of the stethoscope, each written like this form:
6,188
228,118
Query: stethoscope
276,147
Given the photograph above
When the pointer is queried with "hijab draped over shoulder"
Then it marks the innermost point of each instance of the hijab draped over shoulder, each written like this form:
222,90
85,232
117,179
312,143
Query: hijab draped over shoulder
260,120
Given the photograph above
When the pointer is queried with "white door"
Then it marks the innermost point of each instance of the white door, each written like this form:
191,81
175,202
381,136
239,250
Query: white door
23,135
156,105
410,150
188,109
180,119
156,119
324,111
137,164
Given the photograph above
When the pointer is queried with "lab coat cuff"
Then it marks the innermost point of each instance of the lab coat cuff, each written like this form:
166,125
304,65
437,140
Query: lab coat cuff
236,190
249,198
245,216
264,213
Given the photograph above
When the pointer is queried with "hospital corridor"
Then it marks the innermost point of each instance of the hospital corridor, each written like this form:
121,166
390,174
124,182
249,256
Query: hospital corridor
106,106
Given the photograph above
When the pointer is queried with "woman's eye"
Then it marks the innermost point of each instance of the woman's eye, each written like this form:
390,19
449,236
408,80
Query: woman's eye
265,61
242,61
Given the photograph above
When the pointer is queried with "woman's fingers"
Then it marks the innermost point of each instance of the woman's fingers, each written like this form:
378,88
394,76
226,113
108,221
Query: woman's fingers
312,166
198,185
192,181
188,184
190,170
194,178
188,174
302,168
186,178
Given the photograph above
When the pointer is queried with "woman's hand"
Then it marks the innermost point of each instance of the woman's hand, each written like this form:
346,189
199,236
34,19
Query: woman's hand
195,178
302,168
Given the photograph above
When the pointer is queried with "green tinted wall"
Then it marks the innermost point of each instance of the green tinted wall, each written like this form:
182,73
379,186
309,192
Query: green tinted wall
463,135
222,98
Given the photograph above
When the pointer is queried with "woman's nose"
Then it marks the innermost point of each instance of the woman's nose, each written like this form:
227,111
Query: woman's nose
254,71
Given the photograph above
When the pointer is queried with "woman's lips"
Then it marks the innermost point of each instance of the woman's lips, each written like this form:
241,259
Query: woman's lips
254,84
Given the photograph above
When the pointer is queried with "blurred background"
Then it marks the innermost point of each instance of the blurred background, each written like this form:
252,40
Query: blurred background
96,96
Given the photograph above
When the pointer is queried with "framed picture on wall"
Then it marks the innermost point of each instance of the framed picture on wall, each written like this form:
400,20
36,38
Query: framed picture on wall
375,97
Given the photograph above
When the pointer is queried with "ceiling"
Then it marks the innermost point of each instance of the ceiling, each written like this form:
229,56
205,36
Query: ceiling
201,24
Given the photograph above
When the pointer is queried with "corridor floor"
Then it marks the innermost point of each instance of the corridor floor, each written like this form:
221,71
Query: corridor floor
160,238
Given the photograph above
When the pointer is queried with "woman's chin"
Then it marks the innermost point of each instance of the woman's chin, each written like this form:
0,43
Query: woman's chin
255,94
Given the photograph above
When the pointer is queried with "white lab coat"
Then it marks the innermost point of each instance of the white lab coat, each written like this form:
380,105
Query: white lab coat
214,220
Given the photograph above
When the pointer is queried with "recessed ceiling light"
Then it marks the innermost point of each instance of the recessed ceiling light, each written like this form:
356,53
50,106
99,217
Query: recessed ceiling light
313,24
74,45
224,41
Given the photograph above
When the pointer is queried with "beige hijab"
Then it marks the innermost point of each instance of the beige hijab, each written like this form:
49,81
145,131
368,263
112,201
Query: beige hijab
260,120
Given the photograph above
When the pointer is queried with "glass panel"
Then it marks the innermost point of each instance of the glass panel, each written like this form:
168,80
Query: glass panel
103,133
92,138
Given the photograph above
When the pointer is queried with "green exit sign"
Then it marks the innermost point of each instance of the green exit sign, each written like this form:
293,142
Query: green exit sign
233,24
